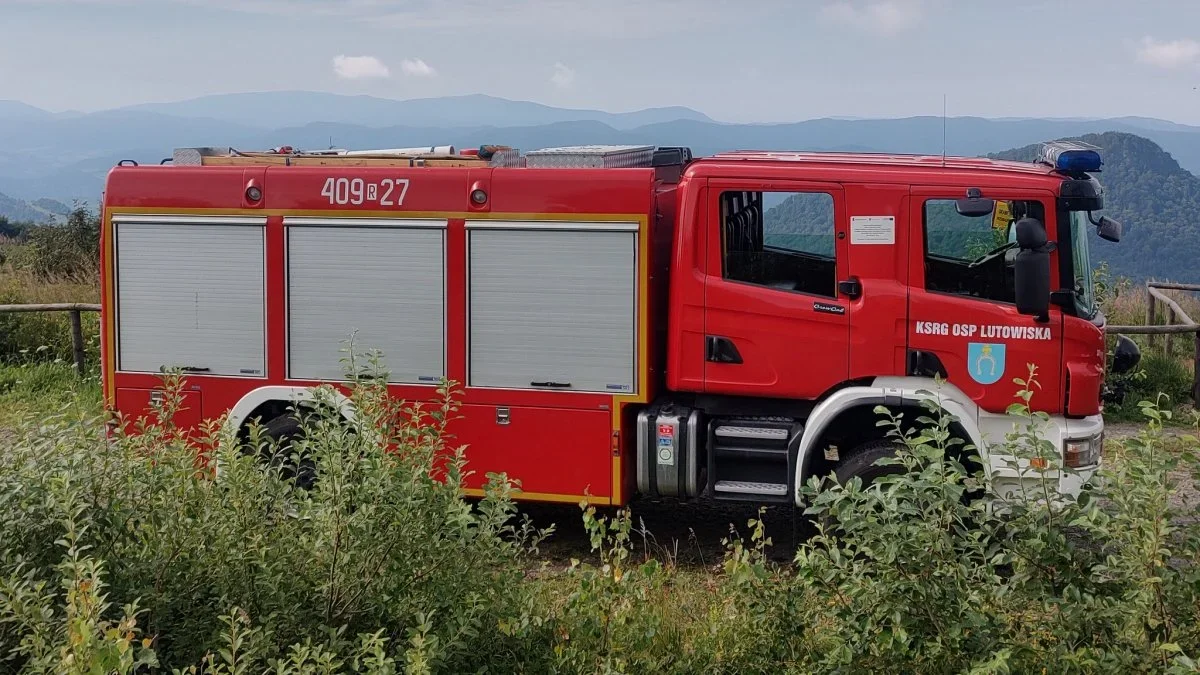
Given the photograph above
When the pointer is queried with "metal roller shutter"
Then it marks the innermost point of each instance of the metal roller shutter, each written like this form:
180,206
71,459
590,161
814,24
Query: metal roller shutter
190,294
553,308
383,280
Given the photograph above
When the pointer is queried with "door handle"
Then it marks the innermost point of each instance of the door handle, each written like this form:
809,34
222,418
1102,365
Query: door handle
851,288
720,350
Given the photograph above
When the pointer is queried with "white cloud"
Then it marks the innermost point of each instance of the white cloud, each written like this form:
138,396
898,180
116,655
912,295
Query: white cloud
1168,54
885,17
417,68
563,76
359,67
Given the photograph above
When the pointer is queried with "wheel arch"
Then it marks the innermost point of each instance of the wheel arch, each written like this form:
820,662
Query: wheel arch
852,409
271,401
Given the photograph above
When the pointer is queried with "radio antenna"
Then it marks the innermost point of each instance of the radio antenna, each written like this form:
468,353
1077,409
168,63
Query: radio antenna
943,130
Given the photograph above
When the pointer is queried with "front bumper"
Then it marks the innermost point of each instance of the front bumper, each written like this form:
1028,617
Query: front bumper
1022,474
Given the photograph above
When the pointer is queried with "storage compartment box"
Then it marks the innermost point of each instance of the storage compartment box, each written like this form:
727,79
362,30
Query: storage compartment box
552,451
552,306
190,294
382,280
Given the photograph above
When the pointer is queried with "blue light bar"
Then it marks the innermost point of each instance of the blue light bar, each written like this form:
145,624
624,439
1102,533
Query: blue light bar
1070,156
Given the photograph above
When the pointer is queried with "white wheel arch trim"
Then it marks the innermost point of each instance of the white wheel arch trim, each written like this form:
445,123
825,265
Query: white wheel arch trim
890,391
242,409
237,415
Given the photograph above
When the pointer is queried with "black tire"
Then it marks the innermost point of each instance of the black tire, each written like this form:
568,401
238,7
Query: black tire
284,431
861,462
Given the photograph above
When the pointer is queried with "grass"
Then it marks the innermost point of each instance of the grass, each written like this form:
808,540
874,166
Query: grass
45,336
29,388
36,371
1162,375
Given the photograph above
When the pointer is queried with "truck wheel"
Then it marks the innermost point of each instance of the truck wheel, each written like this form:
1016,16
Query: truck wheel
284,431
861,463
862,460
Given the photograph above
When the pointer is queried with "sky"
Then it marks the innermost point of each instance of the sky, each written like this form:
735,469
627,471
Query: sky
736,60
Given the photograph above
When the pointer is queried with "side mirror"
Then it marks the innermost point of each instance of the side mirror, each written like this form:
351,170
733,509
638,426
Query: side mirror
1031,269
1107,228
1126,355
974,205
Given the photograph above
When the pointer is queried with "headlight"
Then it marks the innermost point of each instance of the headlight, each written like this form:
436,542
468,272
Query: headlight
1081,452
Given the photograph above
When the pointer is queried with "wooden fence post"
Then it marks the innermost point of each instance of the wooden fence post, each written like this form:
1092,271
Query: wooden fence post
1196,371
1151,317
1170,337
77,340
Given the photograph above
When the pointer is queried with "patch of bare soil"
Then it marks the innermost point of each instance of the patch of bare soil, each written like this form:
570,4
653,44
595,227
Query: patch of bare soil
689,533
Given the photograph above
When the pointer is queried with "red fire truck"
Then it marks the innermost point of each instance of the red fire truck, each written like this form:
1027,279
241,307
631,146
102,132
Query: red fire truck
622,320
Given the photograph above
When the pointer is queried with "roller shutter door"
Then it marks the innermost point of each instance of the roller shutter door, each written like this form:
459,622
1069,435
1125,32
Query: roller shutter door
382,281
190,294
552,306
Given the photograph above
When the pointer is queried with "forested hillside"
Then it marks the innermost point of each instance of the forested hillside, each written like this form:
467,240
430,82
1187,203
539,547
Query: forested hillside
1157,201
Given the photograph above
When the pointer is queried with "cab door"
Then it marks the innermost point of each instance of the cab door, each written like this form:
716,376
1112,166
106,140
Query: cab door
775,323
963,319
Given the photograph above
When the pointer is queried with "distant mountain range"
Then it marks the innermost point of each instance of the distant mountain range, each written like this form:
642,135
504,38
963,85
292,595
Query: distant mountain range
1150,168
65,156
271,110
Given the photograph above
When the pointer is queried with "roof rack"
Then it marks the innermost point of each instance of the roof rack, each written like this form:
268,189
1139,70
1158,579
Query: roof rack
490,156
447,155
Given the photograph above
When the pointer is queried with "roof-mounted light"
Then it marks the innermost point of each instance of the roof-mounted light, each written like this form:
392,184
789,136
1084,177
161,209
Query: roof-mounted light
1070,156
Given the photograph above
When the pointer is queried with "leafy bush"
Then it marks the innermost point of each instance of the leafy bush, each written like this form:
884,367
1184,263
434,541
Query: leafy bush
70,250
381,554
1158,377
117,558
918,579
911,575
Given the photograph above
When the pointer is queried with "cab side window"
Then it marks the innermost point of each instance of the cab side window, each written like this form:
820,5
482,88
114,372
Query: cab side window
973,256
781,240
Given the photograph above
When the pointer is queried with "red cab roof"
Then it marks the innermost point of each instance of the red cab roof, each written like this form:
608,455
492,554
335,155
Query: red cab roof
881,160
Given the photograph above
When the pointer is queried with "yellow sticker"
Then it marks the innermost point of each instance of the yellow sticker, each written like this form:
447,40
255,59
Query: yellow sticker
1002,215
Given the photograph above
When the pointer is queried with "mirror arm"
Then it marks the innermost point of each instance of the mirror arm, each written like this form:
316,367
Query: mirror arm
1062,297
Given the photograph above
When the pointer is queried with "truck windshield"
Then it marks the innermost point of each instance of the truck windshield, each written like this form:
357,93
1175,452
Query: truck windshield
1085,296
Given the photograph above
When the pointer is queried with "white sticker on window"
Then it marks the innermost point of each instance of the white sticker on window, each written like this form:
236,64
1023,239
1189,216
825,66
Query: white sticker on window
872,230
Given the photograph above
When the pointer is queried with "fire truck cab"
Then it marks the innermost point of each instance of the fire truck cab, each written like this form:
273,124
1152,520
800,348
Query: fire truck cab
626,320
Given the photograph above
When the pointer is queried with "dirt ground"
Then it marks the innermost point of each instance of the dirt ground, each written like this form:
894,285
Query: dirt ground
690,533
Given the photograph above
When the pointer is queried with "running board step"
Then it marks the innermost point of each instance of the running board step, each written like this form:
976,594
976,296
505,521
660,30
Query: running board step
745,453
756,433
750,488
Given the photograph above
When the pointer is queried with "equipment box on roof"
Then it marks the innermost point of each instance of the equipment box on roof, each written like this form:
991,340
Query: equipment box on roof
591,156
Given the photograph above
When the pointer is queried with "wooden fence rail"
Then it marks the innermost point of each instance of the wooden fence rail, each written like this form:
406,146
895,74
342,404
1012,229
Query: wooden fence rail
76,309
1177,322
